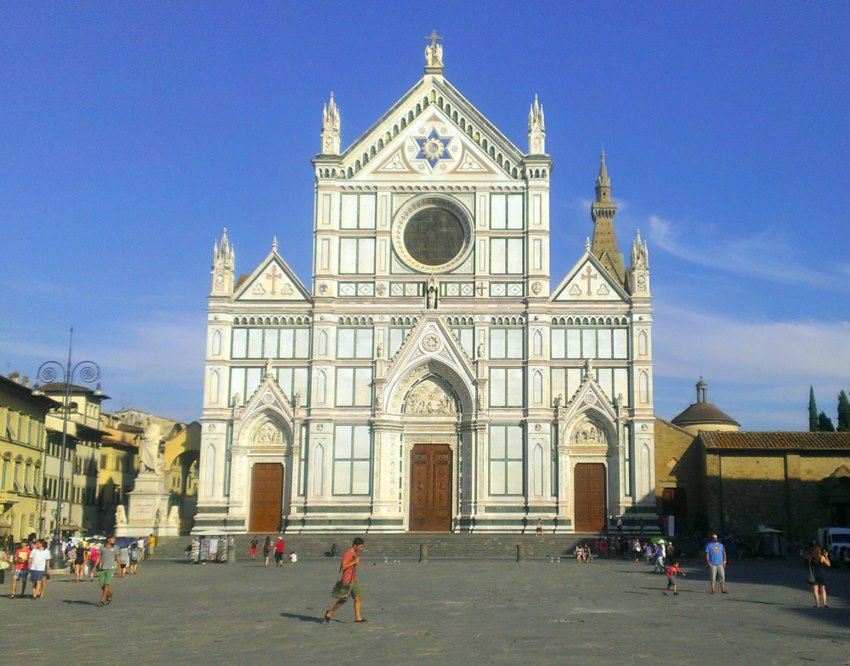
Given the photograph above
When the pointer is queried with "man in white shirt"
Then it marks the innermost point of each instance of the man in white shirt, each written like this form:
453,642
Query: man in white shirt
39,567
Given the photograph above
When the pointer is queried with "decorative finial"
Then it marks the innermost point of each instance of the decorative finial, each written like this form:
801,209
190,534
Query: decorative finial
587,243
274,243
434,54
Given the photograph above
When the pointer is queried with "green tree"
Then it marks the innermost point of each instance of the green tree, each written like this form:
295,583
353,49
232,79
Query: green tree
825,423
843,412
813,411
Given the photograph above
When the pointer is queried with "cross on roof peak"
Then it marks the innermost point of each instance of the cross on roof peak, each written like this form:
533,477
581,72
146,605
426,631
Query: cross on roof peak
434,37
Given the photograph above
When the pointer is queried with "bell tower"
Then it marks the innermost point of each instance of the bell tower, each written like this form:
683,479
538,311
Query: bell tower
603,211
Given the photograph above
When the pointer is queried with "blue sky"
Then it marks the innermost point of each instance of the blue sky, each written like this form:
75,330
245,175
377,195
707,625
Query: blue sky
132,133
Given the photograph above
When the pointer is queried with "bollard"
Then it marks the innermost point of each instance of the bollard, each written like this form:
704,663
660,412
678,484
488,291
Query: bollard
423,552
520,552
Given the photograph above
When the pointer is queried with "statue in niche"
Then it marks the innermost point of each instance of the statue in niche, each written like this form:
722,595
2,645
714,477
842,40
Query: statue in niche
149,454
174,516
431,294
120,515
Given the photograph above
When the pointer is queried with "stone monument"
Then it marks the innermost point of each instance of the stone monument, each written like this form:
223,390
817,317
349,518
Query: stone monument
149,501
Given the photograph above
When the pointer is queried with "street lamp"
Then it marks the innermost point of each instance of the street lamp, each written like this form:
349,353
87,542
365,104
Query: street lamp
51,371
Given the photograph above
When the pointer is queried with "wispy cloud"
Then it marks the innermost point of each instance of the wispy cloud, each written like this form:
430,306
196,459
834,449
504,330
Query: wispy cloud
765,255
764,367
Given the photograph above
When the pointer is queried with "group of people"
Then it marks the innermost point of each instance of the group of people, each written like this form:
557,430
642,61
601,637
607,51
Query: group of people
31,560
278,549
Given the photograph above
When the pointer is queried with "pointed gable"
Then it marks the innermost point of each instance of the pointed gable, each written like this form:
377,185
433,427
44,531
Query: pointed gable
589,281
272,280
433,130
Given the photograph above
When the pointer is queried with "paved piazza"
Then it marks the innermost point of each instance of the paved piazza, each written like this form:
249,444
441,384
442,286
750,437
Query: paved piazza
440,612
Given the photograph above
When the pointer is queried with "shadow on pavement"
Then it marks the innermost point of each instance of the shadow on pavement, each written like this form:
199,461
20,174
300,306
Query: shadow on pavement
304,618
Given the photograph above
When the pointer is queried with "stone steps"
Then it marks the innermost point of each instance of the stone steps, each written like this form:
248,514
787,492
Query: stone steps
405,546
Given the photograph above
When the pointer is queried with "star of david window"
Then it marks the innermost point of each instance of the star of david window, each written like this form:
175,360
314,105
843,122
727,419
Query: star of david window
433,148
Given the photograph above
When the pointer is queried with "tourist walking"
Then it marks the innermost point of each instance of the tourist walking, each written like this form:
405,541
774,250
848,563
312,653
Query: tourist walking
134,557
94,558
816,562
672,571
124,561
348,577
106,566
151,546
279,549
21,560
253,549
660,553
715,559
79,561
267,549
39,567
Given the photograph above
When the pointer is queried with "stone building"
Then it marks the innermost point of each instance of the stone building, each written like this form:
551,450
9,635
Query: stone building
23,439
434,377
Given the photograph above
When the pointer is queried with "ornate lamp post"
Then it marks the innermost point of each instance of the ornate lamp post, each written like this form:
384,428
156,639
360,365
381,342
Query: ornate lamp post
51,371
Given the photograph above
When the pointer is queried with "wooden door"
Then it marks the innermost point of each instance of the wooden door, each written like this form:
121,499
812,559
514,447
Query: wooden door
431,488
266,497
590,497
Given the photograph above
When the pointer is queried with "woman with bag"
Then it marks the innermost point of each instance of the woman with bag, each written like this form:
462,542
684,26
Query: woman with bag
348,585
816,561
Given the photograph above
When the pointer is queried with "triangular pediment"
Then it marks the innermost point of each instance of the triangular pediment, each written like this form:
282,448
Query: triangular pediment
433,131
272,280
267,400
430,344
589,397
589,281
433,146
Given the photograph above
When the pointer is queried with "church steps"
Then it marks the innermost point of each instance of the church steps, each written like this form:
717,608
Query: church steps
405,546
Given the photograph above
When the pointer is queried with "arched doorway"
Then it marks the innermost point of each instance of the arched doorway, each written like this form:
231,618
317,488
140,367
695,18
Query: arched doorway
431,411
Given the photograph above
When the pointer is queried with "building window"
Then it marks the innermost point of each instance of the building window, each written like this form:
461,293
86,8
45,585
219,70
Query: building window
356,256
354,343
506,343
580,343
357,211
263,343
506,256
353,387
352,460
506,387
506,460
466,337
397,337
506,211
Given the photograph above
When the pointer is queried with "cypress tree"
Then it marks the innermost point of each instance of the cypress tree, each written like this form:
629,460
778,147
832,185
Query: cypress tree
813,411
843,412
825,423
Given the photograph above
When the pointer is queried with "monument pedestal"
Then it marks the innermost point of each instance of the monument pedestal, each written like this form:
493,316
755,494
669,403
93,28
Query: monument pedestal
149,511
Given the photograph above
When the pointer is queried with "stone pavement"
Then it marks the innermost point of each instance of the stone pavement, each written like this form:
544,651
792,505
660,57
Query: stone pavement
439,612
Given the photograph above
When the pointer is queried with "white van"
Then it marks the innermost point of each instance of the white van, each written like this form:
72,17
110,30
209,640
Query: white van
832,537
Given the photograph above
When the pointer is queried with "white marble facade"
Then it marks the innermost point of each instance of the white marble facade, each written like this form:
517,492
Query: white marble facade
432,323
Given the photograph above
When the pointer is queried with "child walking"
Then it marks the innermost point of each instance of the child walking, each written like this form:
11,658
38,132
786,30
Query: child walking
672,571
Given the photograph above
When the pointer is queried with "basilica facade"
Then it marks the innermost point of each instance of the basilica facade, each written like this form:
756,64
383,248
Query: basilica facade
434,377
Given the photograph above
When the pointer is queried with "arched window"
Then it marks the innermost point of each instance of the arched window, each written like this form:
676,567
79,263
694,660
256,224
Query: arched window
216,343
214,386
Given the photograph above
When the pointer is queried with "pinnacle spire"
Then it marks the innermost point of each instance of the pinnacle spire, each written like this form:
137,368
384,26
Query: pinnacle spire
603,182
330,127
536,128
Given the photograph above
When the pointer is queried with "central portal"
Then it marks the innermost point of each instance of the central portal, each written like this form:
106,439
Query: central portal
431,488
